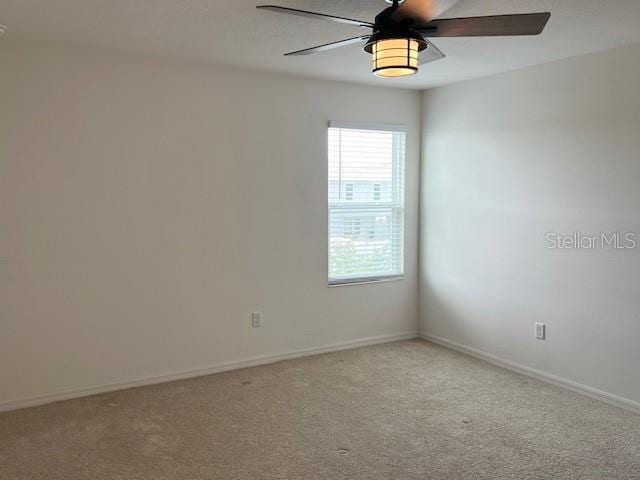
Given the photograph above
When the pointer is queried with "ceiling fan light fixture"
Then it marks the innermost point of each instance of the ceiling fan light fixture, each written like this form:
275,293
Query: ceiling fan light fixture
399,33
393,57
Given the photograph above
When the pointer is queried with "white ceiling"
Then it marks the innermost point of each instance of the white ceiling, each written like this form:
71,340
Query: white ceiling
233,32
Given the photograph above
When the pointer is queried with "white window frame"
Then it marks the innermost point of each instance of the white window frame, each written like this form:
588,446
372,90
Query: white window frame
399,163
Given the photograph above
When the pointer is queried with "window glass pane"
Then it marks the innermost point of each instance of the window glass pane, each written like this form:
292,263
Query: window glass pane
366,204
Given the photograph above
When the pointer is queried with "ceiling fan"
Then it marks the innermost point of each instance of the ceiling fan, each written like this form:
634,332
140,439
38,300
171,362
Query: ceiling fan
401,31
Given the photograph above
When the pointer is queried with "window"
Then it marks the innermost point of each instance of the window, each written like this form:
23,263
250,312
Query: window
348,191
377,192
366,203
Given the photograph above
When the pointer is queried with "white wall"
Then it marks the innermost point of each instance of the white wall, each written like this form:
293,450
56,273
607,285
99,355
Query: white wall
507,159
148,207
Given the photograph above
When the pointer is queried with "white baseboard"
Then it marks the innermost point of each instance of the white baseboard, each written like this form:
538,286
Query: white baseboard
591,392
199,372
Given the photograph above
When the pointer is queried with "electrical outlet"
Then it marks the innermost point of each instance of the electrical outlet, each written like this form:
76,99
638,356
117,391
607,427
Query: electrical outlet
256,319
540,331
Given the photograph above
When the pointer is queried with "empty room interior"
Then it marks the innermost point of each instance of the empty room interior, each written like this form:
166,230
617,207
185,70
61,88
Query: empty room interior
319,239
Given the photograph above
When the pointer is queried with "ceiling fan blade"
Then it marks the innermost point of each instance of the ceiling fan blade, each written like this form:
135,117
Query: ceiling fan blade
421,11
496,25
322,16
329,46
430,54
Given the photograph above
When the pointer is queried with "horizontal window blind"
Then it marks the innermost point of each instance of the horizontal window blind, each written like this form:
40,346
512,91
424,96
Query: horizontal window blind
366,203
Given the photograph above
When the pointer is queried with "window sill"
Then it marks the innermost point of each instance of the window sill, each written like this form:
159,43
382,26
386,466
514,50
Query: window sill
364,281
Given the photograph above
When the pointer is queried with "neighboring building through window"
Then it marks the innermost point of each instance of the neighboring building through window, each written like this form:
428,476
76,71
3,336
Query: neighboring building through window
366,203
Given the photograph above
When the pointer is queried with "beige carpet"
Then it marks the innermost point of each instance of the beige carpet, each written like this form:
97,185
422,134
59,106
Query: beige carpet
409,410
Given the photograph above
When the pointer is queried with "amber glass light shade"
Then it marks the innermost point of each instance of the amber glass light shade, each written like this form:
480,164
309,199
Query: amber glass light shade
395,57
